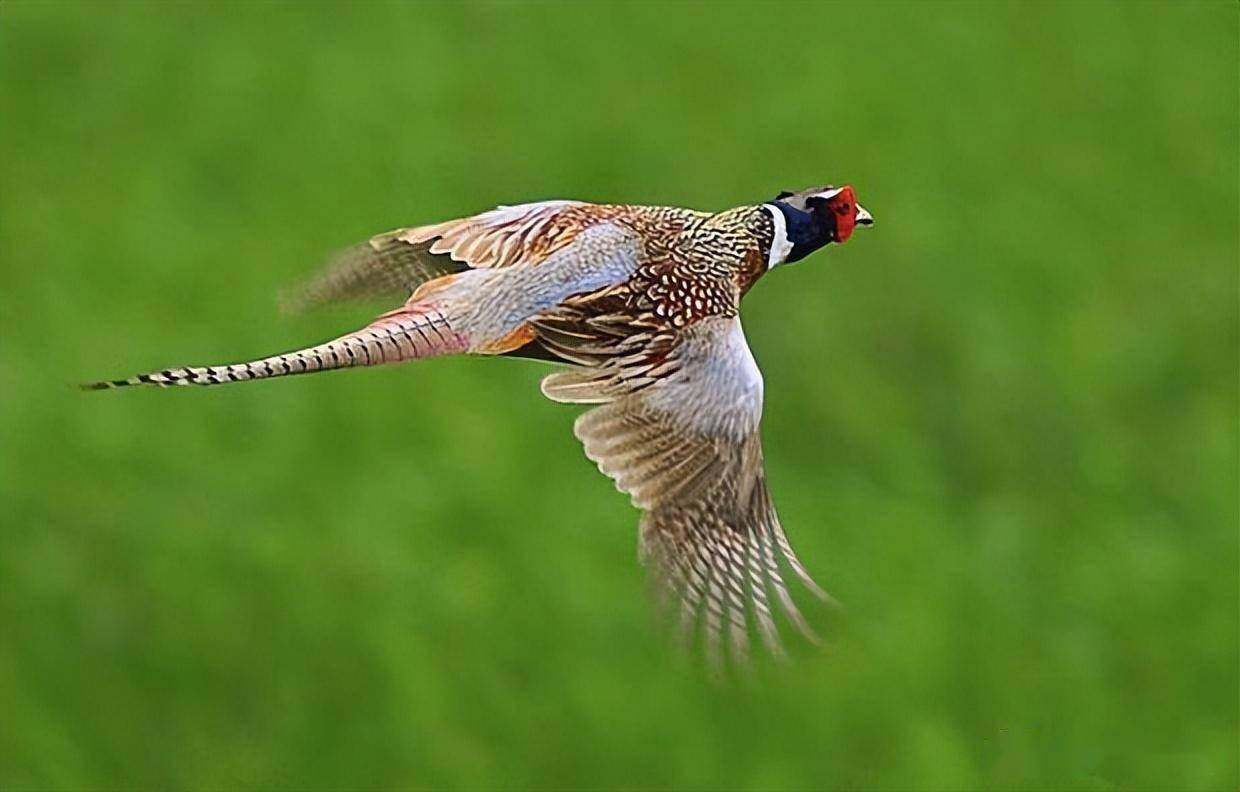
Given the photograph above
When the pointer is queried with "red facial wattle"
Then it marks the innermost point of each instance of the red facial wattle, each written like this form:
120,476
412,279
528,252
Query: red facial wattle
843,206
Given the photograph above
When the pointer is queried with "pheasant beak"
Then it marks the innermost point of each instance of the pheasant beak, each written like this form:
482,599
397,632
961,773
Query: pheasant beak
864,218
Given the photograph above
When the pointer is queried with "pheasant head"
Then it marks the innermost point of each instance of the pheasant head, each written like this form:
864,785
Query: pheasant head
812,218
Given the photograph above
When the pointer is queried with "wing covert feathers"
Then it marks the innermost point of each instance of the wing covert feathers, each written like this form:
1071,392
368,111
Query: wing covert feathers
506,236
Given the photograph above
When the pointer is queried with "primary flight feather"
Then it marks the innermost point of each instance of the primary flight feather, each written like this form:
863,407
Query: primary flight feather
641,305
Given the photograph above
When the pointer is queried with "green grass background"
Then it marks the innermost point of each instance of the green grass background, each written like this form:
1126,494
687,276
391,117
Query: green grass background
1001,426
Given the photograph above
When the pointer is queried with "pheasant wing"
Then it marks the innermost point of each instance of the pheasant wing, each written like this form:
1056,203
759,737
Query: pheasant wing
404,259
677,429
384,266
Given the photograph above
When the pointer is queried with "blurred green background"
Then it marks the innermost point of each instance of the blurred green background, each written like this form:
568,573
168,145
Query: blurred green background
1001,427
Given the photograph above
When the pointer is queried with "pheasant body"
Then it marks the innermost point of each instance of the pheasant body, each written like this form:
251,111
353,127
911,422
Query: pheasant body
641,305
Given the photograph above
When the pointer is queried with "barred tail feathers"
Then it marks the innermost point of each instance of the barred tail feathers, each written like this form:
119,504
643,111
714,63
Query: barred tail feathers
404,334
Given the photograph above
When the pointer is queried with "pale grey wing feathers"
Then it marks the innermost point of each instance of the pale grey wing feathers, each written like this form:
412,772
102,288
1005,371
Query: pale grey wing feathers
384,266
684,444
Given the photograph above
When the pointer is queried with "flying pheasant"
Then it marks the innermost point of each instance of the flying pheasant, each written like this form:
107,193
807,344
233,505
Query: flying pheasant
641,304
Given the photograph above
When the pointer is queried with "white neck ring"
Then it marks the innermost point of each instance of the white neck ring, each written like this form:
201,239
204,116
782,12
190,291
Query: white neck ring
781,247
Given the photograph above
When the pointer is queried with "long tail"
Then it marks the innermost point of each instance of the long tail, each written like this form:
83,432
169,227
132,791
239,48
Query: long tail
404,334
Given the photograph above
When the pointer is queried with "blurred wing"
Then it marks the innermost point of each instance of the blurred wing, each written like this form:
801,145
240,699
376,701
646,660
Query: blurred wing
402,260
385,266
678,431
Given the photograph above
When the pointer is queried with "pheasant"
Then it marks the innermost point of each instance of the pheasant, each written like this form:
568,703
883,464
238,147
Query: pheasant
641,306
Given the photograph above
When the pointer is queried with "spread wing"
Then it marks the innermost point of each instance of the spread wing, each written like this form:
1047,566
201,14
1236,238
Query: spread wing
677,429
400,261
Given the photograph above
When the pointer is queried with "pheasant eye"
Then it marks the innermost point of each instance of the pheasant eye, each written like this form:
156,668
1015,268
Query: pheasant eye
843,209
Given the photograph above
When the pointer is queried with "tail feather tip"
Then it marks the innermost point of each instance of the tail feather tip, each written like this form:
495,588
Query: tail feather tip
141,379
103,385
